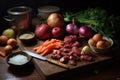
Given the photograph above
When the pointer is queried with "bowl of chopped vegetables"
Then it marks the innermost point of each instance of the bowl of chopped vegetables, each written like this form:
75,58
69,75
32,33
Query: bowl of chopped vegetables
18,59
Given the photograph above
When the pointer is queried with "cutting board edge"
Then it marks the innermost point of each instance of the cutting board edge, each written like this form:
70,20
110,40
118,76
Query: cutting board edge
72,71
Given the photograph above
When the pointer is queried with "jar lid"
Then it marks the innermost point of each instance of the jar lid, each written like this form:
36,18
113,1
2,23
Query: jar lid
48,9
19,10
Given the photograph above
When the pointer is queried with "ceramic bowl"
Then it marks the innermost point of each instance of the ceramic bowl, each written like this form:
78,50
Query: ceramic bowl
27,37
18,59
104,50
45,11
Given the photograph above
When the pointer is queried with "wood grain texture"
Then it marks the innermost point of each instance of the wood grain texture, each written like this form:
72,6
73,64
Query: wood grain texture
110,72
52,71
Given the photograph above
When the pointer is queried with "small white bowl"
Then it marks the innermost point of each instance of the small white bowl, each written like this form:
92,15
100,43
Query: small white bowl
104,50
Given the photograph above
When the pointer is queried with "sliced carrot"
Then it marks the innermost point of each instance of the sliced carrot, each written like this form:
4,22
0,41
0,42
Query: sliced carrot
46,42
38,51
35,48
48,46
51,46
41,49
58,46
45,52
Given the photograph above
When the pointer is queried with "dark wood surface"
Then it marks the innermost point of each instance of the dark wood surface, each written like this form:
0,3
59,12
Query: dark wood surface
109,70
30,73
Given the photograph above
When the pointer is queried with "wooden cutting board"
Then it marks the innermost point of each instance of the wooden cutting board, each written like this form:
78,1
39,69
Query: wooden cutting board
51,71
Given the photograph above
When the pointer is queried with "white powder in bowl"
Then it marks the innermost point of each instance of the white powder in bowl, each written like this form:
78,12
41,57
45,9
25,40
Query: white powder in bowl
18,59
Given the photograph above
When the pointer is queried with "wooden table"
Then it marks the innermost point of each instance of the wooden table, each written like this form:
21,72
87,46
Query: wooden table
110,71
30,73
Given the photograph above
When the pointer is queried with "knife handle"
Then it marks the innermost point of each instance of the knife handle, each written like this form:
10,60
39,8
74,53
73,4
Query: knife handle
58,63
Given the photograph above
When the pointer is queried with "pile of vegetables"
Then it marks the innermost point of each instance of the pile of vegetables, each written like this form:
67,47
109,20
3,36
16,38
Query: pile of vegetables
48,46
74,29
52,28
97,19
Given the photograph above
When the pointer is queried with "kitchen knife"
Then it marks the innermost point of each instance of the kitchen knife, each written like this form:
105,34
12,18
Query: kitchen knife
45,59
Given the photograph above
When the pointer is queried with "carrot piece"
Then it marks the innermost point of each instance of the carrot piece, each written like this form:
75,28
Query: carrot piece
45,52
35,48
48,49
48,46
45,43
49,42
58,46
39,50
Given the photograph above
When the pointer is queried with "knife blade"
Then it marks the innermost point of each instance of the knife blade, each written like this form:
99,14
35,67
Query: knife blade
45,59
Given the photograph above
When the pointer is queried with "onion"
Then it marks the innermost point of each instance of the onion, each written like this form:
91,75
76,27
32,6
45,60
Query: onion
43,31
85,31
8,49
72,28
12,42
86,50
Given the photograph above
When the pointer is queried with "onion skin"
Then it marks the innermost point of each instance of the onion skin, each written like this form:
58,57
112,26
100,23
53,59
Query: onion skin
43,31
3,39
12,42
71,29
57,32
86,50
55,19
8,49
85,31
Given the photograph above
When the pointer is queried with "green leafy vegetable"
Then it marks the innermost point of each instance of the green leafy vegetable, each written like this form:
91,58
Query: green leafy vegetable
98,19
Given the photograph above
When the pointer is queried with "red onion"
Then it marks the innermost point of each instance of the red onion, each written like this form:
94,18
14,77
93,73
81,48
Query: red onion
85,31
43,31
72,28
